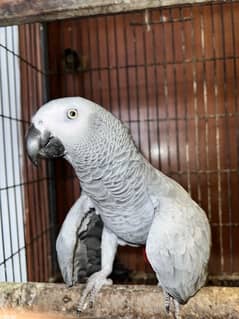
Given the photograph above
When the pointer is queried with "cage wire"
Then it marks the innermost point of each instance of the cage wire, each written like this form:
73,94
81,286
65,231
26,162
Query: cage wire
26,225
171,74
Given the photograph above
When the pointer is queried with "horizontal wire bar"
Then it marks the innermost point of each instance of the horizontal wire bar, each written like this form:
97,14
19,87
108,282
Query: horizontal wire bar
183,118
17,252
139,65
33,239
164,63
23,60
14,119
206,171
26,183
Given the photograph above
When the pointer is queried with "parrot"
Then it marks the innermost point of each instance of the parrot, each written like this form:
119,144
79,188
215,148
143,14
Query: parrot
137,203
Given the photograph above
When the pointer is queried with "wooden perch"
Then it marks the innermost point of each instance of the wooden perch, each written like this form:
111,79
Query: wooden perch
25,11
118,301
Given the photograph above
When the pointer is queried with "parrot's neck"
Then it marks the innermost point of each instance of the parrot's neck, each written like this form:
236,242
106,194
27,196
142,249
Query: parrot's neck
112,173
107,162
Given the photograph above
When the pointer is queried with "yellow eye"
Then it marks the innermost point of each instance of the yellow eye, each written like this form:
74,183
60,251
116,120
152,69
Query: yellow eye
72,114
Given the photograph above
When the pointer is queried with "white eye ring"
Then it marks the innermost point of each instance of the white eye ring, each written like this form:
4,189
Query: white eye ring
72,114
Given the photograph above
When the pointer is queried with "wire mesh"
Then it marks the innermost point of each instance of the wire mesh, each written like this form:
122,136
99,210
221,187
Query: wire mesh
12,253
171,75
26,227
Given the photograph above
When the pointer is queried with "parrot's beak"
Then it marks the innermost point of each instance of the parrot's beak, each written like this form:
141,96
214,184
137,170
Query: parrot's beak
42,144
33,143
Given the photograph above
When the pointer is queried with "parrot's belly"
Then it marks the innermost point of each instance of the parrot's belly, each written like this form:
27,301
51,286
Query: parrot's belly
131,227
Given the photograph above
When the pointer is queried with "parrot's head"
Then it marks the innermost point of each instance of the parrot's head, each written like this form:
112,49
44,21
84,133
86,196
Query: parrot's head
57,126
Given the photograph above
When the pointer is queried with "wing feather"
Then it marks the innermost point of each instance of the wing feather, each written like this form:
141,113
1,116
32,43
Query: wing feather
178,247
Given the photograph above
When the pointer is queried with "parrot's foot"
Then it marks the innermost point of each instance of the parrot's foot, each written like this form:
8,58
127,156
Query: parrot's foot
167,300
167,303
176,309
93,286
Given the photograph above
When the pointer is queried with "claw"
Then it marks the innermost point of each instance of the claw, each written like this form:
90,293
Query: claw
167,300
93,286
176,310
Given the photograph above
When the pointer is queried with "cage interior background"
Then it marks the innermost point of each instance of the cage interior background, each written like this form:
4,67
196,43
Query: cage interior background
171,74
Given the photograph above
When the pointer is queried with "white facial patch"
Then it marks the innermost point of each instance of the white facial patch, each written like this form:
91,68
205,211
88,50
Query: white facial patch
65,118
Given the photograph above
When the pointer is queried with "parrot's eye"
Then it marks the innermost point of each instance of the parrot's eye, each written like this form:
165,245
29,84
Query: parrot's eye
72,114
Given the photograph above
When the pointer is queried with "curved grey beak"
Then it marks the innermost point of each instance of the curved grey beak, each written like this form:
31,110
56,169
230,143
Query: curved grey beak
42,144
33,143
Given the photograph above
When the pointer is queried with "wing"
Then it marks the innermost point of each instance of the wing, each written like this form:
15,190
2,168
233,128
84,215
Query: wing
75,253
179,241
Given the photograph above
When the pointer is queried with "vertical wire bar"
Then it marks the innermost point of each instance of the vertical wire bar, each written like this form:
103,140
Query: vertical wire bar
147,88
1,210
137,87
219,189
41,194
35,185
80,87
175,91
18,116
6,182
30,192
11,149
26,194
235,81
185,102
117,67
64,75
12,153
32,199
74,46
73,78
166,95
33,102
156,93
33,49
90,66
2,238
227,128
195,104
81,37
108,62
39,92
99,59
52,231
127,70
205,102
80,40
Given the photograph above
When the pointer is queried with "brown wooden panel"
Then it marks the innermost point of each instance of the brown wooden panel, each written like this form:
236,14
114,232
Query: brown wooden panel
37,218
174,83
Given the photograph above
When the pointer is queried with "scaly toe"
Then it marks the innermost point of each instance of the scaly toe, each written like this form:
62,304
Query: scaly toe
93,286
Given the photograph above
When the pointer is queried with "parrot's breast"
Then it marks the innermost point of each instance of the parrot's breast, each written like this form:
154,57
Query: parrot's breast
131,226
123,202
112,173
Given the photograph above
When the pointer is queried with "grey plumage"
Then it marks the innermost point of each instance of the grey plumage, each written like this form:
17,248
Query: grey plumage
137,203
72,244
79,245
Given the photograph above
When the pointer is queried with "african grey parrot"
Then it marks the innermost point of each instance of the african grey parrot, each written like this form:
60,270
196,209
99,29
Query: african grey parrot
137,203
